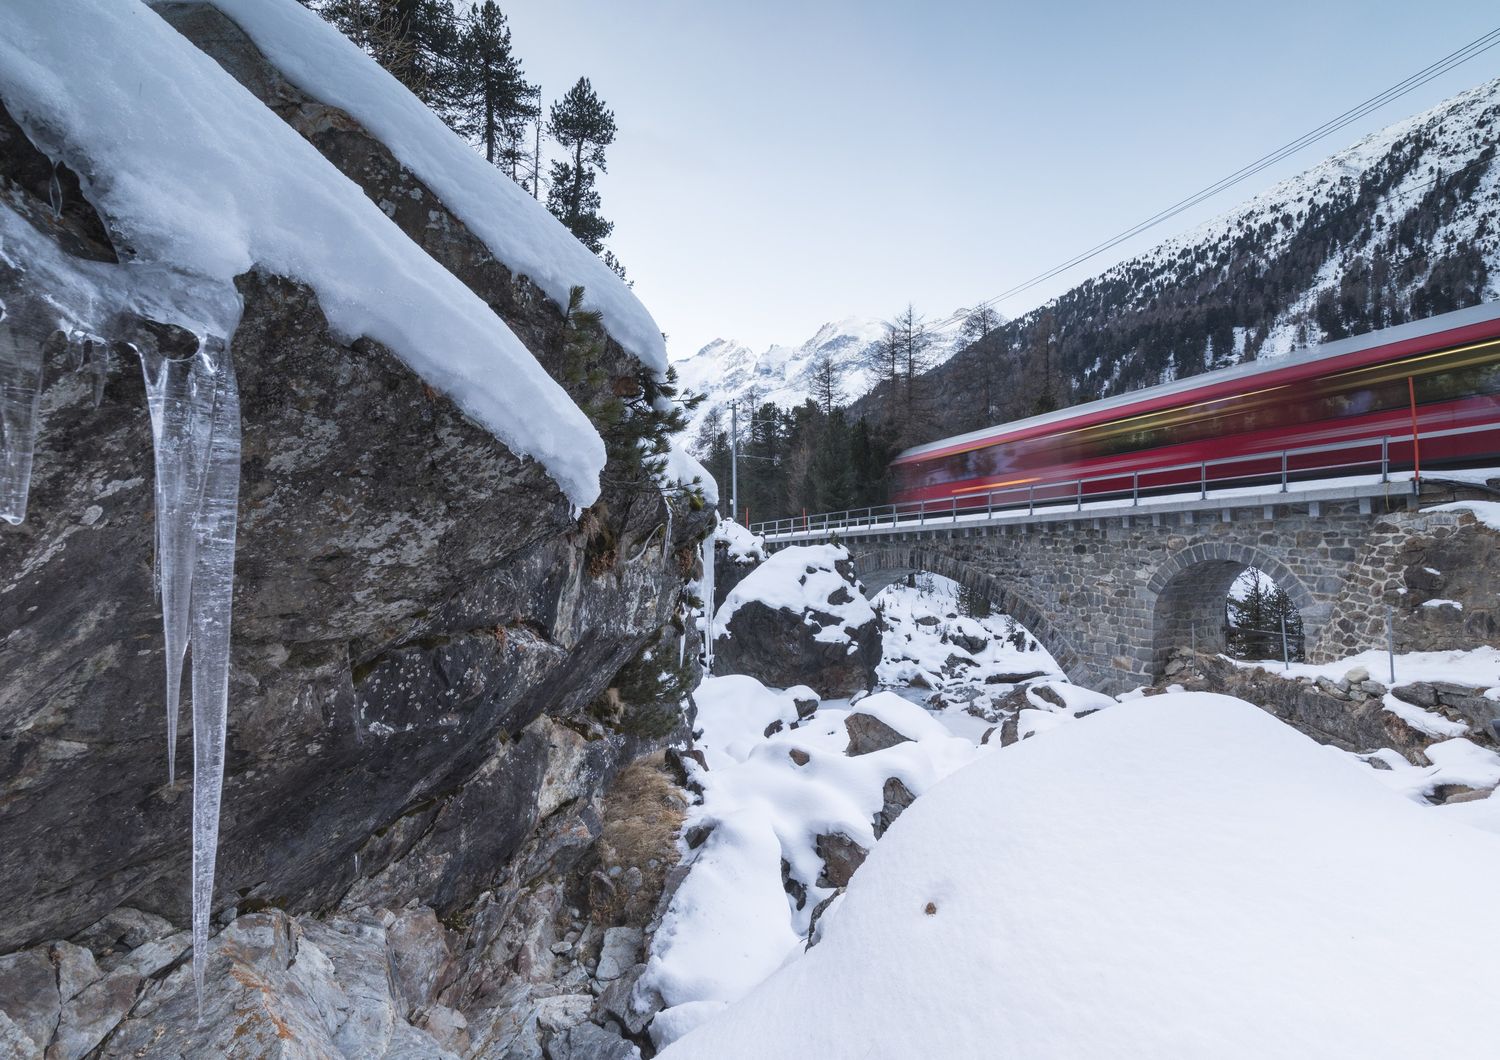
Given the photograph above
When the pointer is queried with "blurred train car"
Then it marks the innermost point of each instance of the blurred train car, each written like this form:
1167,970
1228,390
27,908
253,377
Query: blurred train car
1354,405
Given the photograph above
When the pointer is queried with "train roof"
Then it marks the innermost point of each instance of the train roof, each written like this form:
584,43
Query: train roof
1479,314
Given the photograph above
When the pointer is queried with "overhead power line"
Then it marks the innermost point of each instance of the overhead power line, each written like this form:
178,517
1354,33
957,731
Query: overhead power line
1474,48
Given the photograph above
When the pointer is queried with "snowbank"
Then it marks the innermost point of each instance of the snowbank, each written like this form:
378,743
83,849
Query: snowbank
731,923
164,140
518,230
1479,667
1180,875
800,579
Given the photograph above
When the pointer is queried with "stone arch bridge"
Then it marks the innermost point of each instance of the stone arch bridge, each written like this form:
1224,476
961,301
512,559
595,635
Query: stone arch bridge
1112,594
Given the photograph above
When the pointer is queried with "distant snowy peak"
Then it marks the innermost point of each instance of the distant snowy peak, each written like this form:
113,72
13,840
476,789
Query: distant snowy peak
727,370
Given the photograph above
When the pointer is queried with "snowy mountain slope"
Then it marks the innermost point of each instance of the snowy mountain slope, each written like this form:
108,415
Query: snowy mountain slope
1402,225
727,370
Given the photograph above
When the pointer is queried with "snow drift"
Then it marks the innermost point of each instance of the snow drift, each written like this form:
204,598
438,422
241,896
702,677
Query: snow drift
1176,876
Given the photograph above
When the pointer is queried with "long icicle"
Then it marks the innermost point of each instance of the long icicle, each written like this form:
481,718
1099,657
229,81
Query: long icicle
213,531
180,400
21,337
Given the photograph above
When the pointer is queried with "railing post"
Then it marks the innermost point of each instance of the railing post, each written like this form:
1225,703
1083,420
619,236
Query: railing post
1385,458
1080,494
989,505
921,513
1031,500
1203,481
1135,489
955,508
1283,471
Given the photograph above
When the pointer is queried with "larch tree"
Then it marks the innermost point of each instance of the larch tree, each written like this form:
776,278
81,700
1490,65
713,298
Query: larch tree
978,328
826,372
583,126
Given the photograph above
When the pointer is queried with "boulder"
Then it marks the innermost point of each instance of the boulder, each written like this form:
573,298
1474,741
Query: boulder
841,857
829,639
868,733
896,797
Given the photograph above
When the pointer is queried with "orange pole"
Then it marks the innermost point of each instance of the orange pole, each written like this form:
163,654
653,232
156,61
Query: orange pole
1416,444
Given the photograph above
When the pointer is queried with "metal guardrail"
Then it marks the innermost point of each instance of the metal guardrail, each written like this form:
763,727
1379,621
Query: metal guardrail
1070,493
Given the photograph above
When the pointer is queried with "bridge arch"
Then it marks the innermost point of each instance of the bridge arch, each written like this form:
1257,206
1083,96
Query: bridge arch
1190,587
878,568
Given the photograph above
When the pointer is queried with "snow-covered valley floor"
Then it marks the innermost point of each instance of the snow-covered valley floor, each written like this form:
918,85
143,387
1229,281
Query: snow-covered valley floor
1175,876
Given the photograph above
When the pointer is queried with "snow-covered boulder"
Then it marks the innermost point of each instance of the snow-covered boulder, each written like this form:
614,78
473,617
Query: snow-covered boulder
736,553
1181,875
799,619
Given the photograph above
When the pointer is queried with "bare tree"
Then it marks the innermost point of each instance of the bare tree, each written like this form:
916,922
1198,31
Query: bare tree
913,342
978,328
826,386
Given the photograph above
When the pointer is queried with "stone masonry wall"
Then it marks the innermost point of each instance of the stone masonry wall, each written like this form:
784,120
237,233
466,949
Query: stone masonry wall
1112,598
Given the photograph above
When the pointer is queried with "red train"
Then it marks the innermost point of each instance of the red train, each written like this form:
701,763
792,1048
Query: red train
1345,408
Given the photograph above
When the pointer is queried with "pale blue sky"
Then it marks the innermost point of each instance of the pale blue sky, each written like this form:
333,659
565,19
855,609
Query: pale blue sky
784,163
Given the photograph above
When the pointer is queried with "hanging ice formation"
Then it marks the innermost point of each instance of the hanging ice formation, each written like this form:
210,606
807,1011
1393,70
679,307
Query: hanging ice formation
195,432
706,586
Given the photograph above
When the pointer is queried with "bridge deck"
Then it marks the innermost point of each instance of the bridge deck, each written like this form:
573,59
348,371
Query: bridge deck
1398,487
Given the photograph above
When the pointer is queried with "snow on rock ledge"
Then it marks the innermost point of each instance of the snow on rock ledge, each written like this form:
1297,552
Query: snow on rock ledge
1273,907
160,135
521,232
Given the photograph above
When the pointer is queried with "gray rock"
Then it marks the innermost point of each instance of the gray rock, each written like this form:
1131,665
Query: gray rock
15,1042
419,957
841,857
896,798
868,733
28,994
626,1003
621,949
93,1014
586,1041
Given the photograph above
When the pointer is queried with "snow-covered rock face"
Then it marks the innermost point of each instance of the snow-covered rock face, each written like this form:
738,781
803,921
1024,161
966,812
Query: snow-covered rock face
411,594
800,619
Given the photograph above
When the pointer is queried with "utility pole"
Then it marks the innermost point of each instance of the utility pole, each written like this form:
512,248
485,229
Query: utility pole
734,459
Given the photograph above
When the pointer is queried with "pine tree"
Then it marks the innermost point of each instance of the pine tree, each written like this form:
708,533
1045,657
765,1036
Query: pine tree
583,126
494,104
416,40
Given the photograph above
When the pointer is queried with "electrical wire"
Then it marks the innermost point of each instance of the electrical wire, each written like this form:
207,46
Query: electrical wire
1454,59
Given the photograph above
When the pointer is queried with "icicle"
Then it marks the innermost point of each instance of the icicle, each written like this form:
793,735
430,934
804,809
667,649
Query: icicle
195,430
706,586
666,539
180,396
21,338
682,643
214,525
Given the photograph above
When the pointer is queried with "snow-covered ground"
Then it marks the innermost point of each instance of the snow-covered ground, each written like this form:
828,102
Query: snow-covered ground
1178,875
1181,875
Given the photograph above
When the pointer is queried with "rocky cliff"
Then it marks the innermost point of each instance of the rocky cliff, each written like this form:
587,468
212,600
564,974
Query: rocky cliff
437,665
